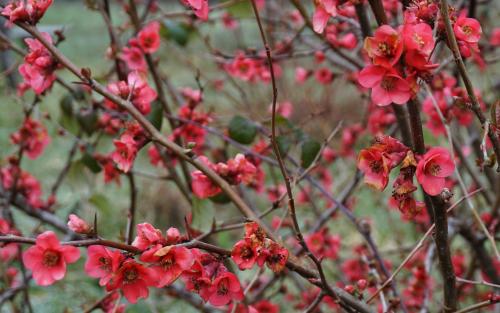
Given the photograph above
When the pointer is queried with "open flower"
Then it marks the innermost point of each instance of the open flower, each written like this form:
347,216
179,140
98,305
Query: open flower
47,258
133,279
168,262
32,136
433,168
467,29
225,288
244,254
102,263
375,166
125,153
386,47
386,84
149,37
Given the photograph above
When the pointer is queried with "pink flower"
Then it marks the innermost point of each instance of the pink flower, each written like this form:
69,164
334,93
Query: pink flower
242,67
30,11
147,236
386,47
203,187
323,245
136,89
324,10
433,168
495,37
27,185
375,166
387,86
168,262
78,225
32,136
418,37
277,256
467,29
149,37
323,75
102,263
133,279
200,8
225,288
134,58
301,75
229,22
244,254
125,153
47,259
39,65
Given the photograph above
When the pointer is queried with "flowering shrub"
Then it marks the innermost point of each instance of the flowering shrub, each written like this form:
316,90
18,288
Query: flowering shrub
213,120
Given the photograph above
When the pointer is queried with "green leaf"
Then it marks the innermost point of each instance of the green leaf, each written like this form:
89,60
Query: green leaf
178,32
309,150
203,214
156,115
67,105
242,130
283,145
241,9
87,119
221,198
91,163
101,202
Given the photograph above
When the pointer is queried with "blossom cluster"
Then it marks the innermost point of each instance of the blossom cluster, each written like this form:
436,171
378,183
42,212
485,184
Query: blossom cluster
234,171
251,69
147,41
431,170
38,69
126,148
256,248
163,259
28,11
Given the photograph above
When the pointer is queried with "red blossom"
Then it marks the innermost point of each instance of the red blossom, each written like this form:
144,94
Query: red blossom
149,37
47,259
133,279
225,288
102,263
433,168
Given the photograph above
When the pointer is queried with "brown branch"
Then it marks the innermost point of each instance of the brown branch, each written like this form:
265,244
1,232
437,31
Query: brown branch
155,135
477,306
419,245
131,212
439,209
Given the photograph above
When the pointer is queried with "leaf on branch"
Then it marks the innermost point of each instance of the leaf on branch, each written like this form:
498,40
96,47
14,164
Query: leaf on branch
309,150
203,215
242,130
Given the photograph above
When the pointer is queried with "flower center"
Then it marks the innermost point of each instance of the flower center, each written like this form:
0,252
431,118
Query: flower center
222,288
50,258
130,275
167,262
246,253
387,83
385,49
467,29
434,169
418,39
376,166
105,264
